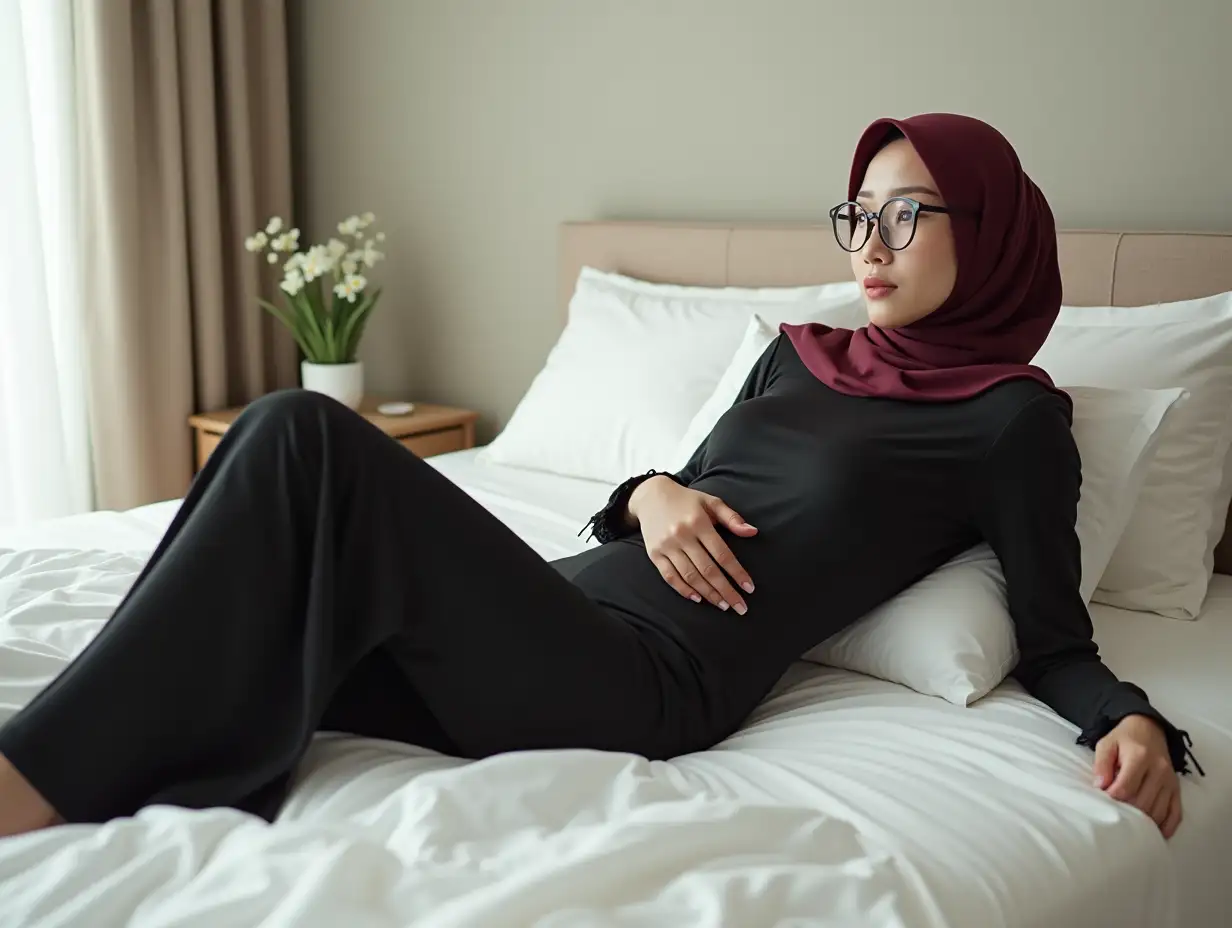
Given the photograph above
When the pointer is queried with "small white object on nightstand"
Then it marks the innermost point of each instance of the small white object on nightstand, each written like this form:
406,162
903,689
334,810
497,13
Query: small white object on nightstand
395,409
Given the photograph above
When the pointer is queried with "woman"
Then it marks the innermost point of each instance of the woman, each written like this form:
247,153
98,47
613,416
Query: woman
319,577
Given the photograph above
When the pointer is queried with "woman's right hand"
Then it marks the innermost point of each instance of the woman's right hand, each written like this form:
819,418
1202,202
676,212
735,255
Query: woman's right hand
678,526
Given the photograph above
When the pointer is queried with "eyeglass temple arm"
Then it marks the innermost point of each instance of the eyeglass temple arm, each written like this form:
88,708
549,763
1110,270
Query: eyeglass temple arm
953,210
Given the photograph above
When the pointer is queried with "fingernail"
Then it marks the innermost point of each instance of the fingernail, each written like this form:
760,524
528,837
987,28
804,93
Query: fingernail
741,608
695,598
723,605
748,587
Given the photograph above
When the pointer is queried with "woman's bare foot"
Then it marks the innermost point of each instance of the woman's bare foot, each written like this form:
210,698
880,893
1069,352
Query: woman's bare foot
22,807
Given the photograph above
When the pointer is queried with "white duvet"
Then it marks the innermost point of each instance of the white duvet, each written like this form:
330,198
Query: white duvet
844,800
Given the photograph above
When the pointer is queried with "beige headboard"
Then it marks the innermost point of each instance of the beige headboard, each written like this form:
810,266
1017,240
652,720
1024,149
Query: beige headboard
1097,268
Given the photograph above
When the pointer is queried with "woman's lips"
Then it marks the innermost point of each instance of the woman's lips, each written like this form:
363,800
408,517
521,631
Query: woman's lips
878,289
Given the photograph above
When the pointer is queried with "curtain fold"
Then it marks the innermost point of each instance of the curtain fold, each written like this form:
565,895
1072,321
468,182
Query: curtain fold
44,436
185,132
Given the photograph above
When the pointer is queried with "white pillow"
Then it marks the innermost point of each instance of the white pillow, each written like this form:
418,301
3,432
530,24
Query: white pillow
951,634
1164,560
635,362
948,635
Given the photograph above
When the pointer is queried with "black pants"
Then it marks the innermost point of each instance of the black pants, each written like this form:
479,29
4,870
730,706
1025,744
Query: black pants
320,576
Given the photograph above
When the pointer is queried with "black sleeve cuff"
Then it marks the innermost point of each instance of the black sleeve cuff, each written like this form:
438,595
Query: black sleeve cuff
1131,700
608,524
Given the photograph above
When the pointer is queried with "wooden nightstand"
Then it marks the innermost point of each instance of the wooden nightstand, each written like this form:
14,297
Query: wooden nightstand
427,430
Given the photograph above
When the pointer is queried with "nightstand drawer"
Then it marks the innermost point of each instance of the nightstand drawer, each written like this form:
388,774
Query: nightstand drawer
430,443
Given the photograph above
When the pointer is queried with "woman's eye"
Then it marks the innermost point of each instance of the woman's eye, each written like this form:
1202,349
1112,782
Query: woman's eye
904,216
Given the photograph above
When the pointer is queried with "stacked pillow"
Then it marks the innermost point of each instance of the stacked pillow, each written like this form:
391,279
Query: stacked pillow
642,372
1164,560
635,362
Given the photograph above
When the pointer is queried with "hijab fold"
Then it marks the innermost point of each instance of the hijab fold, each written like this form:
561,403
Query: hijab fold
1008,289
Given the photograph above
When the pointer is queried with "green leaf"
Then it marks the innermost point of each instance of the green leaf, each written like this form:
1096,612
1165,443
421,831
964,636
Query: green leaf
354,328
291,324
334,322
335,305
312,331
315,316
331,341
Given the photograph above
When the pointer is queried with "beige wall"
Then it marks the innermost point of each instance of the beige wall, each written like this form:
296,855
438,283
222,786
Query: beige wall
473,127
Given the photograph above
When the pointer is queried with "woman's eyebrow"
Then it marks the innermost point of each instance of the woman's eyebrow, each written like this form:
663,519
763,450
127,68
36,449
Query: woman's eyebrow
902,191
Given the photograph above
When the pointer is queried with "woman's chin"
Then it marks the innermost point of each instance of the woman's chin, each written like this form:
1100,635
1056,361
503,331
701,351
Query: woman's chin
883,316
886,313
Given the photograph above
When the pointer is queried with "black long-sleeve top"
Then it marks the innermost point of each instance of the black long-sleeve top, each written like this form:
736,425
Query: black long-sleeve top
855,499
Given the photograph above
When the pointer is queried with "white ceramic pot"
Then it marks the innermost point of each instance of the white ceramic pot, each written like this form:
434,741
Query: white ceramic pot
344,382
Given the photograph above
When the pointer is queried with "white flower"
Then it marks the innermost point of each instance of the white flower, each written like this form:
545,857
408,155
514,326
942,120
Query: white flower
349,226
350,286
366,220
272,258
349,265
293,283
371,255
293,262
337,248
380,236
286,242
274,226
317,262
256,242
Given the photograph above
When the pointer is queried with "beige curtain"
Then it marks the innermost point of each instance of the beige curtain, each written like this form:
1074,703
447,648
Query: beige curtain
184,123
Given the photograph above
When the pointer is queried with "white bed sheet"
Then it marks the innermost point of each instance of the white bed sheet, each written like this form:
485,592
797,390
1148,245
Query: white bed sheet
843,801
1185,667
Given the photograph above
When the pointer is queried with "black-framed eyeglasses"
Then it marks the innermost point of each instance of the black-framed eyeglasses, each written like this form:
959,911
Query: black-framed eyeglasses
896,222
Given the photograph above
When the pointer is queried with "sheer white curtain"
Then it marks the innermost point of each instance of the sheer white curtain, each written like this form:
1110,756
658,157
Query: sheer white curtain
44,438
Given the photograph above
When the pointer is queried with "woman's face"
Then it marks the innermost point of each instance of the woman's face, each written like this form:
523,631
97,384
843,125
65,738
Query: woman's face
916,280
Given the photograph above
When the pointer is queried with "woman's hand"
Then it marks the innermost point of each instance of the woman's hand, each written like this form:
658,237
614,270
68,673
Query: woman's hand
678,526
1132,764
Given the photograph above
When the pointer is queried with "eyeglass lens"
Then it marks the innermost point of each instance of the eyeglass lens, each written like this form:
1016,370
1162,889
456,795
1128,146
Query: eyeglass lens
896,220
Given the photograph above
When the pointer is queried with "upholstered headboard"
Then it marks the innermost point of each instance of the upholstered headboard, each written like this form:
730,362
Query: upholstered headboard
1097,268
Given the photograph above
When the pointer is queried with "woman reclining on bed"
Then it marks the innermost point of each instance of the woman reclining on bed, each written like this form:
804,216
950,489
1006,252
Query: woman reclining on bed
317,576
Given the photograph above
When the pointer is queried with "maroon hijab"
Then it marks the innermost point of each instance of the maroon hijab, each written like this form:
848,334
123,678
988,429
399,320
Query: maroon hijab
1008,289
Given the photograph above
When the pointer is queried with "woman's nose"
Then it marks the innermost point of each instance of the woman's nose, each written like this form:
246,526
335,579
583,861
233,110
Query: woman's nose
875,251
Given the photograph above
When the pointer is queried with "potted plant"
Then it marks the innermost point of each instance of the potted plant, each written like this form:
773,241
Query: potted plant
328,300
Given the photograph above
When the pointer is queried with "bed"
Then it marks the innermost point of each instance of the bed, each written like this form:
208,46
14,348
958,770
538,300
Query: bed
844,800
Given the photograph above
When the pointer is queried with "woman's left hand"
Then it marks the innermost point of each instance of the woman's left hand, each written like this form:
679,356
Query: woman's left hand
1132,764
